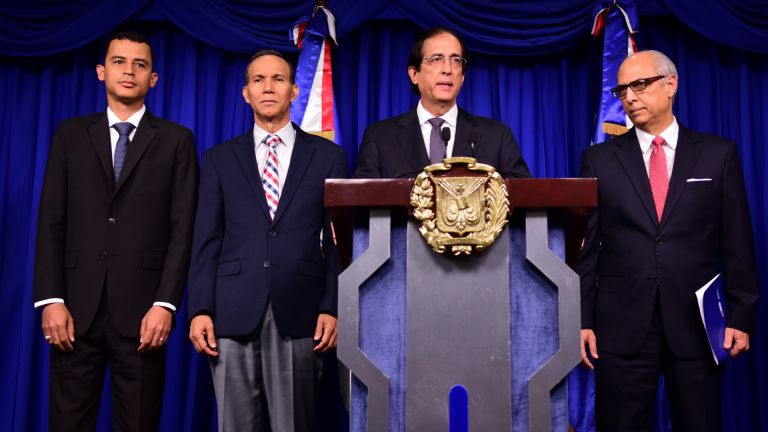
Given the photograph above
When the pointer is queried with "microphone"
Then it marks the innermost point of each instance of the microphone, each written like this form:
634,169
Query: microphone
445,134
473,142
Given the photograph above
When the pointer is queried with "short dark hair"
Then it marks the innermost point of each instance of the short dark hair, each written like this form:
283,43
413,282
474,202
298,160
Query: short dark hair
268,52
132,36
417,50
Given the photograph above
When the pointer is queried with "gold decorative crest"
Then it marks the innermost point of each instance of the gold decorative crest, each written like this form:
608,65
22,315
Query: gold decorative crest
467,212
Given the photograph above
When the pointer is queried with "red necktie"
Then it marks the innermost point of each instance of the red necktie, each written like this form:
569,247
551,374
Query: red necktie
657,173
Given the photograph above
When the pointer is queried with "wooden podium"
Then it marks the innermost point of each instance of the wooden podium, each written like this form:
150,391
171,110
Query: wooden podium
480,342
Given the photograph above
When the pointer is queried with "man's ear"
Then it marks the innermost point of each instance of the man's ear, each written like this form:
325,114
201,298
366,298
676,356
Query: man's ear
412,73
100,72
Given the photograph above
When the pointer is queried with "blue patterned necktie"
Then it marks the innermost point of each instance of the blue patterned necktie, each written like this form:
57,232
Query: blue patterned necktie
121,148
270,178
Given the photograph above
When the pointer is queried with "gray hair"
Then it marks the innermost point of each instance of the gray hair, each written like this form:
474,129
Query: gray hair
664,65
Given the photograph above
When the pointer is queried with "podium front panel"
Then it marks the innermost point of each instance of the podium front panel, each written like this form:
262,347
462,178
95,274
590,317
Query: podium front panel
429,323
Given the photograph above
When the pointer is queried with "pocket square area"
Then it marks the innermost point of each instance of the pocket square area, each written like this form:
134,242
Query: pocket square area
693,180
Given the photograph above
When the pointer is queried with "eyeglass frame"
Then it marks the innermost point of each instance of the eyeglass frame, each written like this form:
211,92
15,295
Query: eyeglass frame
432,60
620,91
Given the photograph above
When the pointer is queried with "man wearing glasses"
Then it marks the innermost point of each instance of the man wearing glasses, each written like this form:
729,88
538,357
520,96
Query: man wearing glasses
672,214
402,146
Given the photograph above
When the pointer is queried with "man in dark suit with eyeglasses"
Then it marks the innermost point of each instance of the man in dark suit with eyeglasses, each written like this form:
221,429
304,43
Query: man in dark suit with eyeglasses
672,213
437,128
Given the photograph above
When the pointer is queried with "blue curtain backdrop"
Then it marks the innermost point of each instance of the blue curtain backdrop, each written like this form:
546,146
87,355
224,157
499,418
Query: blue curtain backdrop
535,68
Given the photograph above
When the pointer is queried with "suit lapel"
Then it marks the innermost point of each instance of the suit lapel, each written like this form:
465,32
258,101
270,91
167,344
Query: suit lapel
145,134
465,124
631,158
411,141
245,153
301,156
99,131
686,154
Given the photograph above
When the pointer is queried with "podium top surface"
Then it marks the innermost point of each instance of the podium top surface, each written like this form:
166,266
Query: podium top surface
536,193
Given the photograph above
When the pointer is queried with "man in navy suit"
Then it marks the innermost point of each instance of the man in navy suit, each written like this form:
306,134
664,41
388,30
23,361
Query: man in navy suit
402,146
672,213
263,277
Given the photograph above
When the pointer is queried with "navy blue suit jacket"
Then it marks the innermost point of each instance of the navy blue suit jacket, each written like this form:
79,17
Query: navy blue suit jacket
395,147
241,259
629,257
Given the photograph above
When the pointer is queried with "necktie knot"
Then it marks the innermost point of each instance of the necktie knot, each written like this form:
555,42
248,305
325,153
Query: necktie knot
272,140
124,129
658,142
436,122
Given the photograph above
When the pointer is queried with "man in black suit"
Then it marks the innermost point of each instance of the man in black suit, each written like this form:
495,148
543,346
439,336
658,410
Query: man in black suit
672,213
113,243
263,279
402,146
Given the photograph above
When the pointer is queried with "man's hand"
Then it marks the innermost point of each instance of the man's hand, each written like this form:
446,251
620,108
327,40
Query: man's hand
59,325
588,339
202,336
736,340
325,332
155,328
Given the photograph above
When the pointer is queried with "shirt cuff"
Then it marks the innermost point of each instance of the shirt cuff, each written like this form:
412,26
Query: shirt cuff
48,301
165,305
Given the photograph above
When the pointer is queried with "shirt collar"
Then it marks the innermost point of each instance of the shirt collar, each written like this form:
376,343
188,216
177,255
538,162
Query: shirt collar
450,116
286,133
134,119
669,134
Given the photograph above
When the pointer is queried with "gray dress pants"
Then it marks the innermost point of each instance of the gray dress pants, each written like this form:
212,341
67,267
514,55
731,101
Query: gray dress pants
284,371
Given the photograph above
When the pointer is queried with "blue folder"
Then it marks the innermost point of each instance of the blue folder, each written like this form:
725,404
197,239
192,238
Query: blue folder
711,298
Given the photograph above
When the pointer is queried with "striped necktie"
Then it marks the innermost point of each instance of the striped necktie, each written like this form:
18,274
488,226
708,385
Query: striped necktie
270,178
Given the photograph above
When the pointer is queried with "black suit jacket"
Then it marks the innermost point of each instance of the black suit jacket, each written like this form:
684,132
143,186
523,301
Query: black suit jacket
135,235
395,147
242,258
629,258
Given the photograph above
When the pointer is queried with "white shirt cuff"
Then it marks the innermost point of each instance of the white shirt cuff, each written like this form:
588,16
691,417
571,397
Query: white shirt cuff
165,305
48,301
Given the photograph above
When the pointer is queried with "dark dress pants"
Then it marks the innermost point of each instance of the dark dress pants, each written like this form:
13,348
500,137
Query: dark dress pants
77,380
626,387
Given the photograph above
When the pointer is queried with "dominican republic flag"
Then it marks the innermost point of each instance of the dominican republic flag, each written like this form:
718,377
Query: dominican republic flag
618,21
313,109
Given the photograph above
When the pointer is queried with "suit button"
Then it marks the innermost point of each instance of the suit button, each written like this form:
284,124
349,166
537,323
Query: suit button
272,234
112,220
266,264
659,240
651,277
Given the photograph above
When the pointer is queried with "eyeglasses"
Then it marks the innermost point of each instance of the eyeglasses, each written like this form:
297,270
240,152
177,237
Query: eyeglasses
438,59
638,85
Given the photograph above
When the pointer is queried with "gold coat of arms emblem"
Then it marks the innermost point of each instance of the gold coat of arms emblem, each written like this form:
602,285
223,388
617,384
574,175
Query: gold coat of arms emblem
462,204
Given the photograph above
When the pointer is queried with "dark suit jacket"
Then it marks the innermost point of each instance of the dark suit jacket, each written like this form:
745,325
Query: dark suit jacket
242,259
395,147
135,235
629,257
